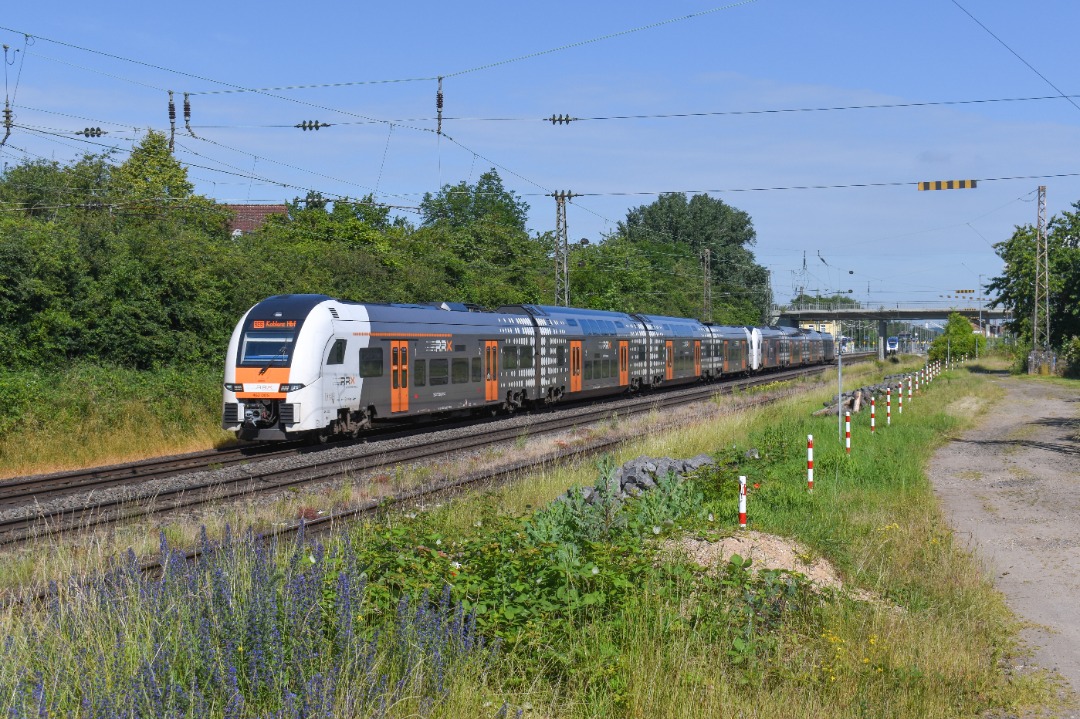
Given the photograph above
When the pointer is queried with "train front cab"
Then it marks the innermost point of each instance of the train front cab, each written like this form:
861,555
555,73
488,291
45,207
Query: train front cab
272,373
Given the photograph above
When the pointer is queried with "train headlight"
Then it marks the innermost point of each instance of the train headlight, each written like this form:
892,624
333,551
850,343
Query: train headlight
234,387
290,387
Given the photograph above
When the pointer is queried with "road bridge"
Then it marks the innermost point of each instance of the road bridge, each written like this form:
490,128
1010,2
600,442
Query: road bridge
792,315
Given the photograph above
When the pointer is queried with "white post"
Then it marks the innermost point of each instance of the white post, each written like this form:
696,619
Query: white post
847,432
742,502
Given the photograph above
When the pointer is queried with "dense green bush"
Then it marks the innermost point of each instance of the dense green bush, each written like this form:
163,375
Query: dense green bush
120,263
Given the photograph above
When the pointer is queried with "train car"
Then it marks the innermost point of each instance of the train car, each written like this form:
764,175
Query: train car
726,351
798,346
674,348
770,349
585,352
815,343
312,365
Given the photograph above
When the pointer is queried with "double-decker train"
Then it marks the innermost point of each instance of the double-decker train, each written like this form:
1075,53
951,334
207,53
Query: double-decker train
312,365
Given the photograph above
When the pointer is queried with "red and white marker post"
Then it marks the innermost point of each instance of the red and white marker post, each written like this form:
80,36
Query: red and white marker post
847,432
917,382
909,388
809,463
872,410
888,406
900,398
742,502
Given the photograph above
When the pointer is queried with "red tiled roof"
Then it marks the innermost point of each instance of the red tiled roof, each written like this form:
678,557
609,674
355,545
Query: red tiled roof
248,218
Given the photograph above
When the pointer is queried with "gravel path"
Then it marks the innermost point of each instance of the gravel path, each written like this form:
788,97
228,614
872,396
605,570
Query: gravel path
1011,488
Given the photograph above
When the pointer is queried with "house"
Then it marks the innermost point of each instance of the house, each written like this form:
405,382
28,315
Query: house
248,218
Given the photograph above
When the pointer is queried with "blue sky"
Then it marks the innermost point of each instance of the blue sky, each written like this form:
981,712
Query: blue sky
901,245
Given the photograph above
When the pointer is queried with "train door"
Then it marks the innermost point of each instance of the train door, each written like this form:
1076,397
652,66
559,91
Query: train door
624,363
669,360
575,365
697,357
399,376
725,365
491,370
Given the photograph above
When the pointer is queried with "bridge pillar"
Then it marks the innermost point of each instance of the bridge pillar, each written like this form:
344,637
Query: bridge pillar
882,328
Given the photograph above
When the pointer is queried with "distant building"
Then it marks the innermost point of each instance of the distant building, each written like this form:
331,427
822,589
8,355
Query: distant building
830,326
248,218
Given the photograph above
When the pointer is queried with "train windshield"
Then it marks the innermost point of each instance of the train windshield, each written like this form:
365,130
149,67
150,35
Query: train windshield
266,349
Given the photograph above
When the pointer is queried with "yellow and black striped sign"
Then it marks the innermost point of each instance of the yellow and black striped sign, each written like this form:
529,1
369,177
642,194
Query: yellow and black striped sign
948,185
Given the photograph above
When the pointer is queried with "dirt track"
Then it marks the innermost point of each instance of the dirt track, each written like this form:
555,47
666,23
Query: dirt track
1011,488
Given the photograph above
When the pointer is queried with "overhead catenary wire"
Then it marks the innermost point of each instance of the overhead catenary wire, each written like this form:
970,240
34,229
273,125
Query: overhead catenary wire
646,116
782,188
1031,67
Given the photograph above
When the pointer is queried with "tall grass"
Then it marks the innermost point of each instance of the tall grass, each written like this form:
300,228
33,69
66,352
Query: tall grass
89,415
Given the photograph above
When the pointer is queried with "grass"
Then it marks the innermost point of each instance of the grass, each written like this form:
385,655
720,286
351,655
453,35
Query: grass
50,559
90,415
591,620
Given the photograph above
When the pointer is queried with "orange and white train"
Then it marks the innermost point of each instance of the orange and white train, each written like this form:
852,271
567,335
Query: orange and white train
312,365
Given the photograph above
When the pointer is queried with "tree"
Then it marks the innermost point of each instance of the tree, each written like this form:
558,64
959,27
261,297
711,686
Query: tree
1014,288
672,233
957,339
486,202
152,173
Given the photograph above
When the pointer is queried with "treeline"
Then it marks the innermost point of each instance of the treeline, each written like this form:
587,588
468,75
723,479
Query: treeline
121,263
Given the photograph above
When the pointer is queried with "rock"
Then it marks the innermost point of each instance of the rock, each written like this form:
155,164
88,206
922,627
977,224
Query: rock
646,482
752,453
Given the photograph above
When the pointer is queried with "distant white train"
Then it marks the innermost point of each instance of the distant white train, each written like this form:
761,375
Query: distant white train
314,365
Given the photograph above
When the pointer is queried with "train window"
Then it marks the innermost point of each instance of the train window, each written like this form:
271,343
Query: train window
477,369
526,358
262,348
641,352
607,367
560,357
459,370
371,362
509,357
419,373
439,371
337,353
588,369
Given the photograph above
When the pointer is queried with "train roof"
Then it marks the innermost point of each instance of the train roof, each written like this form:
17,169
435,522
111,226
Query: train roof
728,331
675,326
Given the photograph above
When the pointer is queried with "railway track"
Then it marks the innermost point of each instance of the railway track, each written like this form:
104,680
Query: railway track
253,481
